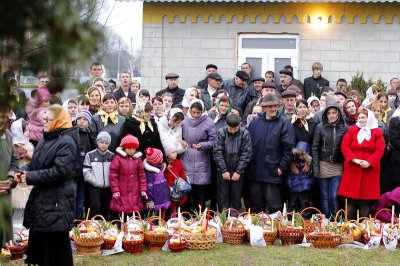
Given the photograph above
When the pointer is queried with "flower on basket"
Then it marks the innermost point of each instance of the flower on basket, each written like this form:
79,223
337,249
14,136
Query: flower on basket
133,237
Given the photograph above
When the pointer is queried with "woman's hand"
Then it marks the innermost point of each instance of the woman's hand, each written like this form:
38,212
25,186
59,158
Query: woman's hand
197,146
365,164
357,161
293,168
184,144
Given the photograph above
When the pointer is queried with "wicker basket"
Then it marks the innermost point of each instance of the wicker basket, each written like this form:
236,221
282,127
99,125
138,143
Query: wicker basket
17,251
269,234
201,240
133,246
233,232
324,240
290,235
153,240
177,246
86,246
311,226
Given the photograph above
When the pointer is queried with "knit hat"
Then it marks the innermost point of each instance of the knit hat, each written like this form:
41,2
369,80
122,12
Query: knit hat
103,136
129,142
169,148
153,155
85,114
42,95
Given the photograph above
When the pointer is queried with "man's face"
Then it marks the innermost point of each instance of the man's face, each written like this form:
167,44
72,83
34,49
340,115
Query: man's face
214,83
269,78
246,68
233,130
96,71
240,82
271,111
317,72
223,107
394,83
285,80
341,86
125,79
289,103
172,83
323,101
257,85
268,91
210,70
44,81
3,122
340,100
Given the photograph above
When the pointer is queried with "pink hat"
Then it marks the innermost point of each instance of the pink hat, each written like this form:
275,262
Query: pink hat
154,156
129,142
169,148
43,95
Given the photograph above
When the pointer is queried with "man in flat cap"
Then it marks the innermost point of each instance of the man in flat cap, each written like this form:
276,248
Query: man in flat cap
294,81
313,85
255,88
288,100
267,88
210,68
178,93
285,77
238,92
213,85
272,139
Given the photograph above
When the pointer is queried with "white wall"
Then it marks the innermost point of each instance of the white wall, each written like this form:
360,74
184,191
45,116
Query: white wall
186,48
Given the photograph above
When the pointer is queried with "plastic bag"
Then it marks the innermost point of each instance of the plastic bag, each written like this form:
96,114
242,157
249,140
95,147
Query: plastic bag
390,236
257,236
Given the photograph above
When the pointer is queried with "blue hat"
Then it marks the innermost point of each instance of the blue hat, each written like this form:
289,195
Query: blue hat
103,136
302,145
85,114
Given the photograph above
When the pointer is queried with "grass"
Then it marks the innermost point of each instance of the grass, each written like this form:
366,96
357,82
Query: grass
225,254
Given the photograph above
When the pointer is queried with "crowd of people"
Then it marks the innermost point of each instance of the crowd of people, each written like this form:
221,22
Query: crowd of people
243,142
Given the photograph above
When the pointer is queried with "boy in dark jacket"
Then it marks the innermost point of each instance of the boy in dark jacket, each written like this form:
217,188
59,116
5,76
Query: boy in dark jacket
82,120
232,152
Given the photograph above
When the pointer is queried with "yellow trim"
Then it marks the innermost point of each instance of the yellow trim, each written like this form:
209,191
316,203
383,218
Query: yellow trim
153,13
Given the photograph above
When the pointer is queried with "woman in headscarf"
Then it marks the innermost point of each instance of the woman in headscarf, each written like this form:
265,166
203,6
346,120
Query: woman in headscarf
170,128
95,95
386,110
362,146
71,106
199,133
350,107
107,119
224,108
142,126
49,212
191,93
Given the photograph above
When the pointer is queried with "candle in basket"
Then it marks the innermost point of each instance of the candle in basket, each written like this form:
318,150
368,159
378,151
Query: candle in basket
249,215
312,218
159,214
123,217
392,221
262,219
229,213
399,218
272,225
230,226
134,216
369,234
200,209
179,213
358,215
293,219
207,223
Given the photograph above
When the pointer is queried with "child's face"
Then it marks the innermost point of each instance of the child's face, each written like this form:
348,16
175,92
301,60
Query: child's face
143,98
233,130
72,109
167,101
134,87
46,104
83,107
130,151
301,156
82,123
317,72
124,108
392,97
256,110
193,95
172,156
26,132
103,145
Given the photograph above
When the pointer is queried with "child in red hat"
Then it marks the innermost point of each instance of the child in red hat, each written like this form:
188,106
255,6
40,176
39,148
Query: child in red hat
127,177
157,185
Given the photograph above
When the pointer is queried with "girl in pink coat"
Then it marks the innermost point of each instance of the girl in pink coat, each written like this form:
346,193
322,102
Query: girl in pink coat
127,177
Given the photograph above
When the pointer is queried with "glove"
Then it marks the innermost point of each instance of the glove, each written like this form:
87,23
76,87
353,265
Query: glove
150,204
144,195
116,196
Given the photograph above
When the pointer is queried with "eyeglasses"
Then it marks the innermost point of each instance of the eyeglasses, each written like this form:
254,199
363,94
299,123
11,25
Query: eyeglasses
47,119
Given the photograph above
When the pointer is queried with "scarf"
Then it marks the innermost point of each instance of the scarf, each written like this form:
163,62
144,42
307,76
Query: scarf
302,120
62,120
202,104
219,116
352,118
138,114
365,132
17,133
384,115
113,116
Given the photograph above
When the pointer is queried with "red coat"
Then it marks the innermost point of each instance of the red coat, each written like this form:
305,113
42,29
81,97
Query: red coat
176,167
127,177
357,182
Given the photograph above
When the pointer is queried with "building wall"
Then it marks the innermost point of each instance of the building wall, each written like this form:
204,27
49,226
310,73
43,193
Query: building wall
345,43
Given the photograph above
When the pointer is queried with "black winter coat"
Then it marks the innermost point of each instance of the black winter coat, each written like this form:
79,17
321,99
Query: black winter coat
146,139
232,152
240,96
51,204
327,140
394,143
301,134
83,148
314,86
178,94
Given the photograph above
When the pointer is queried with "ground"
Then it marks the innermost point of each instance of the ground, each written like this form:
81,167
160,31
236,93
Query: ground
225,254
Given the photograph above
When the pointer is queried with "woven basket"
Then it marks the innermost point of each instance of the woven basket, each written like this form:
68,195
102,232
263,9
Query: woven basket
201,240
324,240
86,246
233,234
310,226
177,247
270,237
108,243
346,239
17,252
133,246
290,235
153,240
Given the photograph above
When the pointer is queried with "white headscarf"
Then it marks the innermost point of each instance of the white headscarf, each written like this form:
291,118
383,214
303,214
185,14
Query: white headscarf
186,99
365,132
172,112
396,113
202,104
17,133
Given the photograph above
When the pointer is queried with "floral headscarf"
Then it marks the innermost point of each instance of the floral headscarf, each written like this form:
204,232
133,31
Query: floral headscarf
138,114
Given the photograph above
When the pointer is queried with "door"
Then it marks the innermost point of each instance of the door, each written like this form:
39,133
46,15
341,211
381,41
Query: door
268,52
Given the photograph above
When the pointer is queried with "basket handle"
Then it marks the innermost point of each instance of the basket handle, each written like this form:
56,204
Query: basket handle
231,209
337,214
294,215
310,208
99,216
233,219
161,222
346,224
182,213
383,209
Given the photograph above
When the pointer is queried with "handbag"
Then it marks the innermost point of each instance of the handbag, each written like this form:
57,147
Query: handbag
180,189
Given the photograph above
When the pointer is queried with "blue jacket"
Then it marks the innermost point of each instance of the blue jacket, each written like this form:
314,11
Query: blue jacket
272,142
